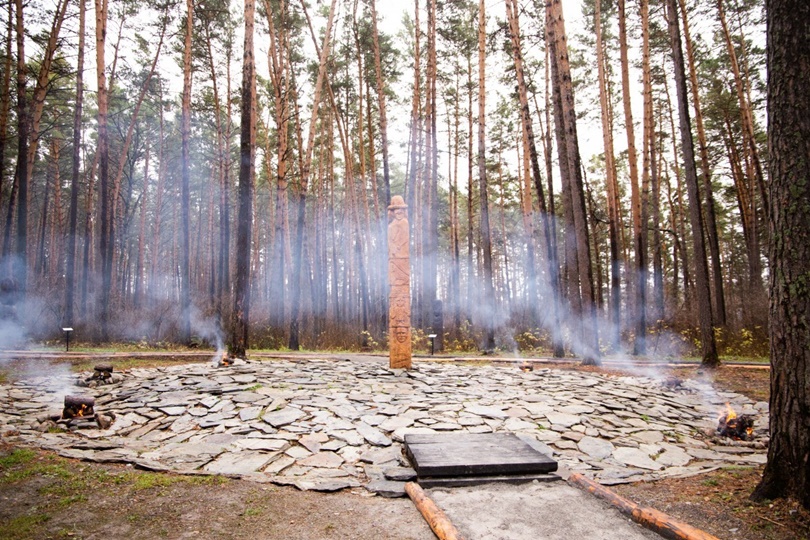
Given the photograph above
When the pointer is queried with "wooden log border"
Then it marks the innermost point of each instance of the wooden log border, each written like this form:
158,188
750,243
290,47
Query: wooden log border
650,518
438,520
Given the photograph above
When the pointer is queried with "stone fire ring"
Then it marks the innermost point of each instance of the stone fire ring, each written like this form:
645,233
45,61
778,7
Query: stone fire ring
328,425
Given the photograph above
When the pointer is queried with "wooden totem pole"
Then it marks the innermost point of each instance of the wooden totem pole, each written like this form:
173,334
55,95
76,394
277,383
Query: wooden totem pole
399,278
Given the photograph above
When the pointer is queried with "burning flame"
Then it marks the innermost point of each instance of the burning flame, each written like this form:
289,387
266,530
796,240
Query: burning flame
77,411
221,359
730,425
729,415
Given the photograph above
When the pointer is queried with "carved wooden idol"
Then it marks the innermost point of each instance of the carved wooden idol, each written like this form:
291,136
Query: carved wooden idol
399,278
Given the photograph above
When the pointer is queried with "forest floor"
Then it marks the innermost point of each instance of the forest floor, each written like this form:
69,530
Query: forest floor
46,496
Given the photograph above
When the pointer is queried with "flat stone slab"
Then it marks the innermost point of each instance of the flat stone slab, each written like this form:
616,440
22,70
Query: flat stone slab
322,459
373,435
399,474
470,454
488,412
285,416
387,488
238,463
636,458
563,419
595,447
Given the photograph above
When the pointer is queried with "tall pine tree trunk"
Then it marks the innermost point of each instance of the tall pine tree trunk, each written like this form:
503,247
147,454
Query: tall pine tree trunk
612,184
787,472
486,241
185,129
73,212
323,53
639,313
431,233
702,292
20,266
531,147
706,179
5,97
588,333
106,233
247,151
651,162
380,84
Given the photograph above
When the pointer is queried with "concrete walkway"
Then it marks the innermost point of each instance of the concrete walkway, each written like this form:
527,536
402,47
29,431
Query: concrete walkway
547,510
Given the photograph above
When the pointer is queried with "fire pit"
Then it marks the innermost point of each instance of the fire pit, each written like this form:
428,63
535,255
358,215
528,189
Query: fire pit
78,407
222,359
740,428
102,374
78,413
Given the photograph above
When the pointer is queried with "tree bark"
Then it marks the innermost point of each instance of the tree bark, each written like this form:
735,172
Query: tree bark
612,184
788,46
430,256
380,82
486,241
185,220
323,54
73,212
651,163
703,294
706,178
531,147
279,74
5,98
19,265
43,84
40,261
247,151
566,119
105,236
746,115
140,278
639,313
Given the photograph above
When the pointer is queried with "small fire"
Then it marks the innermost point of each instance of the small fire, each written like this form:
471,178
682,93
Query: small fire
78,407
222,359
729,415
735,427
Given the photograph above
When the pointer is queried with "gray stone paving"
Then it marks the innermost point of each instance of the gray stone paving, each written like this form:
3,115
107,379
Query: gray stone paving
328,425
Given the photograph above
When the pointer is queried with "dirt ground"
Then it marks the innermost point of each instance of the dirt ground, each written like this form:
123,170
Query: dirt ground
45,496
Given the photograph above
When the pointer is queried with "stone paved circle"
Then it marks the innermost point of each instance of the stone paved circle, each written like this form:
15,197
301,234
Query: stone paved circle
328,425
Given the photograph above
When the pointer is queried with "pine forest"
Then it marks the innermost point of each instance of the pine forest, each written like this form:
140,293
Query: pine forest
582,178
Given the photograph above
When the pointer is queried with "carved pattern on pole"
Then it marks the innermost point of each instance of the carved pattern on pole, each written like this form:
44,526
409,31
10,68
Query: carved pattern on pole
399,278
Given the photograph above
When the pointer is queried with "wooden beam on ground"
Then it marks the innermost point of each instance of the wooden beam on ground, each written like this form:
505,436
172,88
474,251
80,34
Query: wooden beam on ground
437,519
656,521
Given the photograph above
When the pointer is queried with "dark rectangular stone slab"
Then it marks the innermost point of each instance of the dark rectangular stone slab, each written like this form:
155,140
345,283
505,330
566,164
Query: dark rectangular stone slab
474,454
464,481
